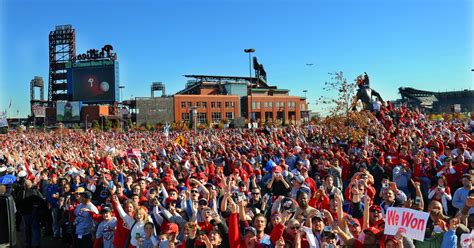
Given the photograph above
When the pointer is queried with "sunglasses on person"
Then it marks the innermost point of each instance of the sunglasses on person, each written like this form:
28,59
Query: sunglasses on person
194,191
375,211
297,227
255,193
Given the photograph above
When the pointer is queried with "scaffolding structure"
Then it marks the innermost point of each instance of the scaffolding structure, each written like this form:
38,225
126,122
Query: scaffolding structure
158,86
36,82
62,48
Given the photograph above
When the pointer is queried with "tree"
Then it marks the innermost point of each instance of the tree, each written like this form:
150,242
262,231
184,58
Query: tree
95,125
345,93
107,125
342,123
148,126
117,124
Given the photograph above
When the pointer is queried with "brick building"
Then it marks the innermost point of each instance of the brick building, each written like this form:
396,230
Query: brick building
276,105
219,98
210,108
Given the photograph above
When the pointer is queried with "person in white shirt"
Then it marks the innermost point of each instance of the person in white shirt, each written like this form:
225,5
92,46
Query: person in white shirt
149,240
138,223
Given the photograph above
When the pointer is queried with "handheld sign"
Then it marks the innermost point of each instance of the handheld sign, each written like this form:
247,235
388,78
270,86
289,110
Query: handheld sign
180,140
134,153
411,222
467,239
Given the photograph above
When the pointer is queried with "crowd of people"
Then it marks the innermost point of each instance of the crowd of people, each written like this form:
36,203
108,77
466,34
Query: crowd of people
295,186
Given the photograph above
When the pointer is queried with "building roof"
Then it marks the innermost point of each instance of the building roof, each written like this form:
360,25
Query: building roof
201,81
426,98
212,78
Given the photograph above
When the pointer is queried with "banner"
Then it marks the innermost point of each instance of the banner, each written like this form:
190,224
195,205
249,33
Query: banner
3,119
134,153
410,222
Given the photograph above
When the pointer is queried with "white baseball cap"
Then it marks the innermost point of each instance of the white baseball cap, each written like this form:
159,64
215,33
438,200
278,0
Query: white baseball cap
22,173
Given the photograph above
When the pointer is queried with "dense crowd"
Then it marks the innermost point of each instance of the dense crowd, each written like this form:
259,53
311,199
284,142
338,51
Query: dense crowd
296,186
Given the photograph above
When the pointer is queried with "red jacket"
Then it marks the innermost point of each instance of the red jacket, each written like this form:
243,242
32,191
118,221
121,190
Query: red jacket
122,230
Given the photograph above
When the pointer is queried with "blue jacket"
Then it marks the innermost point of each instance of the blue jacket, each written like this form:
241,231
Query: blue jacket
450,240
50,191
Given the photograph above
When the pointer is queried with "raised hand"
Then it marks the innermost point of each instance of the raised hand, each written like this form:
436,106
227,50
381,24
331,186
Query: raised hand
115,199
233,207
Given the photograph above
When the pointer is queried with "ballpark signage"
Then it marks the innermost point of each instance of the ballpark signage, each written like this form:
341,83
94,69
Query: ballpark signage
410,222
94,54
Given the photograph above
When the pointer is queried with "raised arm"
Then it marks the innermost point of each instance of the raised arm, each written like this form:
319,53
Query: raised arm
119,210
339,210
234,231
365,223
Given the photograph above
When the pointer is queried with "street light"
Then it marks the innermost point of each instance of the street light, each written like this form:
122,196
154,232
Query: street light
194,113
306,101
250,51
121,87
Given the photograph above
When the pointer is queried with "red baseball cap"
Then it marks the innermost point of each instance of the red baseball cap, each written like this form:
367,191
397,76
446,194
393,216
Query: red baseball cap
277,169
375,208
169,228
169,200
173,189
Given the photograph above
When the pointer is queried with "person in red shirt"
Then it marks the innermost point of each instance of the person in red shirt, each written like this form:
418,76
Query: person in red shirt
320,200
461,167
123,229
449,172
441,192
375,215
308,180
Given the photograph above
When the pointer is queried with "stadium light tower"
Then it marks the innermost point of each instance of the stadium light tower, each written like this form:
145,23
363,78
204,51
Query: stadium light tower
250,51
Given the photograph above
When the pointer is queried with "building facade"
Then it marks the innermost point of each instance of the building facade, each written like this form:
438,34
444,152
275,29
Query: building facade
276,105
217,98
154,110
210,108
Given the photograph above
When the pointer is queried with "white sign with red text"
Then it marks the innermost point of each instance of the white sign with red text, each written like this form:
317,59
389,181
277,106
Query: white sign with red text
410,222
134,153
467,239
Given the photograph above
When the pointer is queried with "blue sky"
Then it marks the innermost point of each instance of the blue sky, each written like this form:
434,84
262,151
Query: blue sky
425,44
